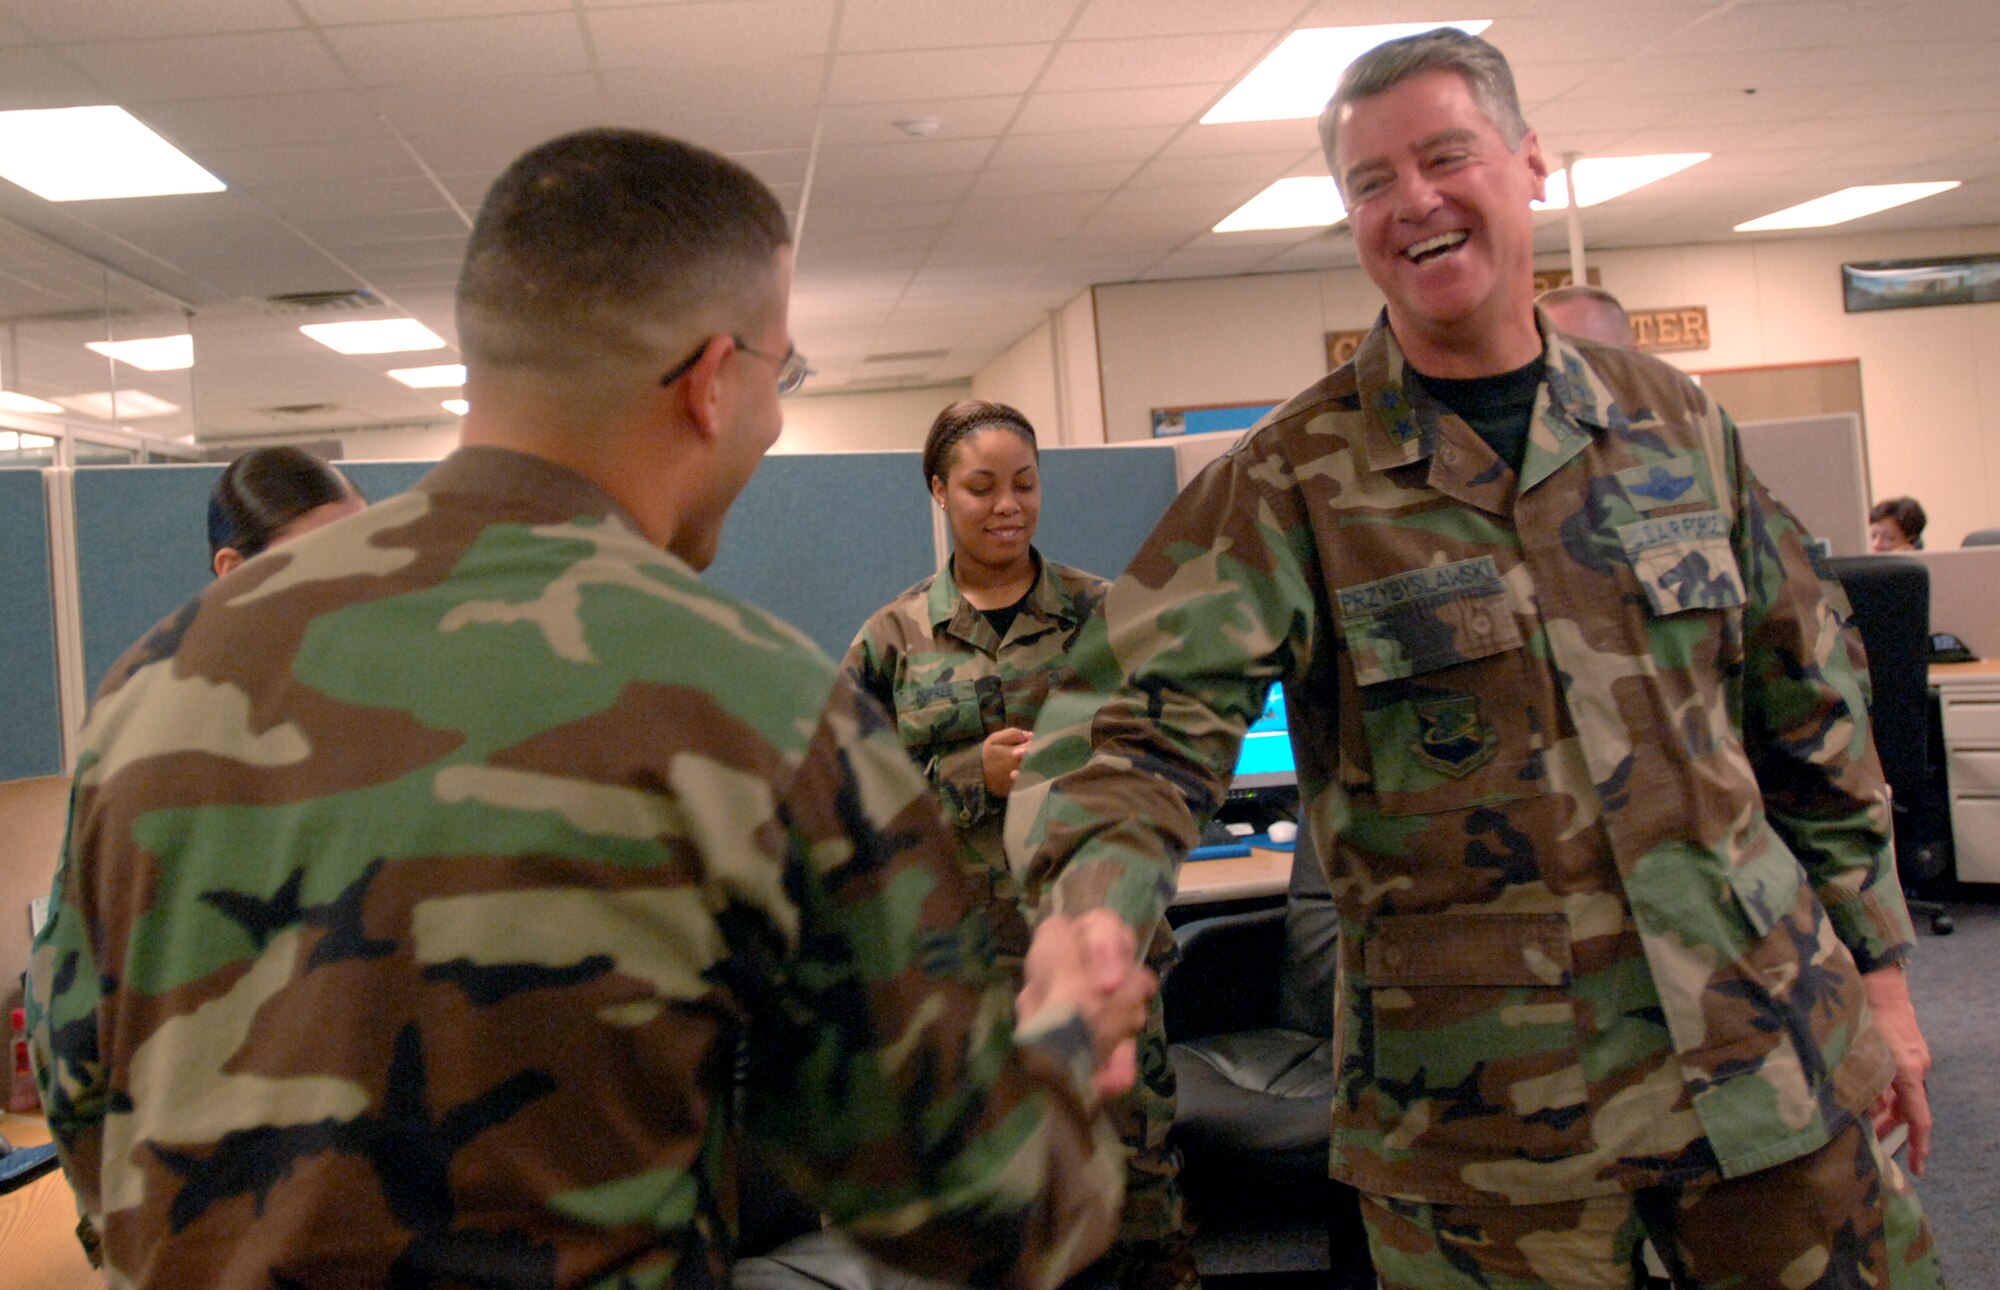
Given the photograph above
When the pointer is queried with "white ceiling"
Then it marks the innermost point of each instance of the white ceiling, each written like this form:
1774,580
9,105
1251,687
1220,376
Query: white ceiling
358,136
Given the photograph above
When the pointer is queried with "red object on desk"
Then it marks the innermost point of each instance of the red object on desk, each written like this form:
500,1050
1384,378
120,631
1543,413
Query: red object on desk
22,1098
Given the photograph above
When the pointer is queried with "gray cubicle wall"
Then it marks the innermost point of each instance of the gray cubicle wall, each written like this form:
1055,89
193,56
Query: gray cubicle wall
142,544
31,734
823,540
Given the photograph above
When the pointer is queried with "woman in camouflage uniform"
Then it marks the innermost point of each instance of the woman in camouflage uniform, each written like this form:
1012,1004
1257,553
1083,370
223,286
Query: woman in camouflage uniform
963,660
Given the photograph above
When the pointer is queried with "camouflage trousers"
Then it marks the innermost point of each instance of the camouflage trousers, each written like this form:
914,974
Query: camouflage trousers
1841,1216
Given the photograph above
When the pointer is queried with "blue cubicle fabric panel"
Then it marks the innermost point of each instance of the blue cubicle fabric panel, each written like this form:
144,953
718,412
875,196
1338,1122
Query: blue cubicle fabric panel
31,735
142,544
825,540
1098,504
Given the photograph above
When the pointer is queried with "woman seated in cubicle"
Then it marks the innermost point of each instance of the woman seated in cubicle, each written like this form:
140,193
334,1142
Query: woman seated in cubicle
1896,524
964,660
271,495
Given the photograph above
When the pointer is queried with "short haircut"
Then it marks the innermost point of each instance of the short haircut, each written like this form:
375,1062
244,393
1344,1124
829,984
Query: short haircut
266,489
591,244
1906,512
1592,297
967,417
1441,49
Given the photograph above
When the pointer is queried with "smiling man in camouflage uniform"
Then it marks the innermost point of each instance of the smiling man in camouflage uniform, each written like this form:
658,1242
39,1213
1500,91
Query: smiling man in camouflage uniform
437,882
1580,735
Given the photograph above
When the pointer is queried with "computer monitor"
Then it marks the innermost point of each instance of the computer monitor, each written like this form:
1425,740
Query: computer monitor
1266,758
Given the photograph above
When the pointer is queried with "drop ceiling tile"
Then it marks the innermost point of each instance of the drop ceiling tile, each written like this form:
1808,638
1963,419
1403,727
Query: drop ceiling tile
465,49
1153,60
773,130
998,206
431,252
347,13
640,96
1116,19
1224,168
268,120
778,168
273,62
346,159
65,20
356,230
909,157
866,123
1113,109
521,111
890,189
926,24
1301,137
935,74
1087,177
865,216
330,200
691,35
1079,147
33,77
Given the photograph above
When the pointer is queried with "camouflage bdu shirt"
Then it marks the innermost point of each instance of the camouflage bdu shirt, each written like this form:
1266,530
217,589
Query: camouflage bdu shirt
934,662
425,879
1586,752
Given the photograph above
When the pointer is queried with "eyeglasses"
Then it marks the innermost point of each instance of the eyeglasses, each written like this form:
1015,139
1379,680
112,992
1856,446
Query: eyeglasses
792,366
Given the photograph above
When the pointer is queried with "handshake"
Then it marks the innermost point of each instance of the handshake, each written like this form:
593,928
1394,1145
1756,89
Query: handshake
1085,966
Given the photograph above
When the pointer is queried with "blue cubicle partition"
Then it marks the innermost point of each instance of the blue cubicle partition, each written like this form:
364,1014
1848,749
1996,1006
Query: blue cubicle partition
142,544
821,540
31,735
824,540
1098,504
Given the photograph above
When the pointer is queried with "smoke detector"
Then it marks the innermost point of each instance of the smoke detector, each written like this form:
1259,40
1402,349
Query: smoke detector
919,127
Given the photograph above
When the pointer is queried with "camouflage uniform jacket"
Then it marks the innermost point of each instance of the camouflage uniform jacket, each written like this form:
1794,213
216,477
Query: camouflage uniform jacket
425,879
933,660
1586,751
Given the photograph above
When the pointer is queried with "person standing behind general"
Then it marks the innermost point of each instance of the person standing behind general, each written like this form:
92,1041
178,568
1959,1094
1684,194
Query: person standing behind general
964,660
271,495
430,880
1581,743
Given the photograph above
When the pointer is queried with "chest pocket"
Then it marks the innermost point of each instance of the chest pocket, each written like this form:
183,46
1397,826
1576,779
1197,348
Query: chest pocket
935,718
1437,656
1684,562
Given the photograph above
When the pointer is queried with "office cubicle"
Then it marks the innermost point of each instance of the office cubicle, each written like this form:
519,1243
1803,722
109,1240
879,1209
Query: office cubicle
822,540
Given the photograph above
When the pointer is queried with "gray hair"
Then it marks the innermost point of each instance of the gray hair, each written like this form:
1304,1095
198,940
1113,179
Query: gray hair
1441,49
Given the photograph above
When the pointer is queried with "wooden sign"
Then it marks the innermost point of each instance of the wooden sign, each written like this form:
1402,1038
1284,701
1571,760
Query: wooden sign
1550,279
1655,330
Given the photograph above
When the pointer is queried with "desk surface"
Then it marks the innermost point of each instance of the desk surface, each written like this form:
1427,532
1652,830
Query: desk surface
38,1225
1261,873
1986,669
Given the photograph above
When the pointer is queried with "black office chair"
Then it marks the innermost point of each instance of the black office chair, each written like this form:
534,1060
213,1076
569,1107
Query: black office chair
1982,537
1891,595
1249,1011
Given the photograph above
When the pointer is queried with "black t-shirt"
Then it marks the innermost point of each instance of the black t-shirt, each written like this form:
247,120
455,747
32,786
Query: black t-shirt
1003,617
1498,408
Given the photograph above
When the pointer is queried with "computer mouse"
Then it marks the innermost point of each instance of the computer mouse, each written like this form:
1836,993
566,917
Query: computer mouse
1284,831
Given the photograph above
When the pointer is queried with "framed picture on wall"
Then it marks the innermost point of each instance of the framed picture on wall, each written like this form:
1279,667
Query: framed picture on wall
1914,284
1171,423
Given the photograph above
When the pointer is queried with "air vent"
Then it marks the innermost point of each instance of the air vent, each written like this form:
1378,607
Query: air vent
300,409
321,302
908,356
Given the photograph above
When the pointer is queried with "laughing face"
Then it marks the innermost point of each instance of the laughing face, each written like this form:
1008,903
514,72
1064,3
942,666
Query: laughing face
1439,205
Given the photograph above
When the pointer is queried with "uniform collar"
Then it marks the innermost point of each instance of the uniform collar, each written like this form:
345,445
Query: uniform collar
1404,424
946,604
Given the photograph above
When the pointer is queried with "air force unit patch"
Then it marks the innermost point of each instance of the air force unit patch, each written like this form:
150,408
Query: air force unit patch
1450,736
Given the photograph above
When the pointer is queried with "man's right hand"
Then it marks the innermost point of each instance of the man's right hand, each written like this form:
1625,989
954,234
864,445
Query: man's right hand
1089,963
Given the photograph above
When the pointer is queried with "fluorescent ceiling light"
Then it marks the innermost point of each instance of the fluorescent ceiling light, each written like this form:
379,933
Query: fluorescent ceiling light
431,378
105,406
13,402
1600,179
1847,204
1297,78
457,407
381,336
92,153
1303,201
153,354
